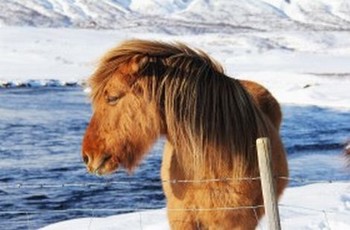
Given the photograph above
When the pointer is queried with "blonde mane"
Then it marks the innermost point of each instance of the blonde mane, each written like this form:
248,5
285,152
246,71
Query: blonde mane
210,118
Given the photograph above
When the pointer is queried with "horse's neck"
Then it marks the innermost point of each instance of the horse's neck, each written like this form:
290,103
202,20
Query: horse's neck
172,168
178,167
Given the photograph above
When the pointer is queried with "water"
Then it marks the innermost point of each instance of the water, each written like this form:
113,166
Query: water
41,131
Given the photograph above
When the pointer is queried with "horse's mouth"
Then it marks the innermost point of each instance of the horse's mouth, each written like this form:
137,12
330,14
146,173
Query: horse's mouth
107,166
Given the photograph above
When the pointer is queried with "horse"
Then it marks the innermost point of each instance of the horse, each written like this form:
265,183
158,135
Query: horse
347,152
142,90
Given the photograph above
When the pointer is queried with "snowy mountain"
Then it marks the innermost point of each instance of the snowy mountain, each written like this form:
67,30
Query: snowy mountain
179,16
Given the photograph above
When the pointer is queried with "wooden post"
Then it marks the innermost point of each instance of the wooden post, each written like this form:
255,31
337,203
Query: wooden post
268,184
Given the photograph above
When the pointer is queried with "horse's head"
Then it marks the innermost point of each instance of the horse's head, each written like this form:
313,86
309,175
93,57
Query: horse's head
125,122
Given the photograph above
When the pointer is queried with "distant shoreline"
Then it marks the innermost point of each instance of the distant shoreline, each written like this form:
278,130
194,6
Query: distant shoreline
41,83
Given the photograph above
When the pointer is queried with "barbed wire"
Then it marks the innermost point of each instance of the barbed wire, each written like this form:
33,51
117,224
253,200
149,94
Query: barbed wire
305,208
111,183
323,211
151,208
90,210
305,180
94,211
119,210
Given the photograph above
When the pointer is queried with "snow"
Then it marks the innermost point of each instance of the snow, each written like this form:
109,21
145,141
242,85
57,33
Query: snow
314,206
279,14
297,67
300,50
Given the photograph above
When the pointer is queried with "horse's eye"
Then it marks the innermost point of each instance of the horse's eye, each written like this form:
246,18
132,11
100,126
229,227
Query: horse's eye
112,100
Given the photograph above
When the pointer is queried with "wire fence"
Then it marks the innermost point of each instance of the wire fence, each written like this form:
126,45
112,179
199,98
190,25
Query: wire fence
92,213
111,183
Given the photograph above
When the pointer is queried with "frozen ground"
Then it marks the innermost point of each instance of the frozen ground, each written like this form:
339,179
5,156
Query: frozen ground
328,207
298,67
180,16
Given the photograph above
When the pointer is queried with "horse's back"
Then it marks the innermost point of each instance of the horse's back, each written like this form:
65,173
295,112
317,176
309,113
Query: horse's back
265,101
269,106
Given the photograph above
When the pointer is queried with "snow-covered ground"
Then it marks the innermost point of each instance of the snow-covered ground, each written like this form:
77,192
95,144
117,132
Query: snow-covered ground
180,16
298,67
316,206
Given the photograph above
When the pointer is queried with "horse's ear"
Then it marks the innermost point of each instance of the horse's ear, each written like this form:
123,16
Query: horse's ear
138,63
131,69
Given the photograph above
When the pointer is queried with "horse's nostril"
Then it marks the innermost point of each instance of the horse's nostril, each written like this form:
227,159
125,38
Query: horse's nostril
86,158
106,157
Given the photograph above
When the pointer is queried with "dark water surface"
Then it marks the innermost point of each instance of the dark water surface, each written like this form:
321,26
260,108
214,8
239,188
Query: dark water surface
43,179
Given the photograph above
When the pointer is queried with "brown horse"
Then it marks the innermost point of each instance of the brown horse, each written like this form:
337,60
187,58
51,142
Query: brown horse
142,90
347,152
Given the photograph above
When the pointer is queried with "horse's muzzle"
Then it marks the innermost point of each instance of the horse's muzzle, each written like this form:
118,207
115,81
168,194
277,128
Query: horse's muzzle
101,165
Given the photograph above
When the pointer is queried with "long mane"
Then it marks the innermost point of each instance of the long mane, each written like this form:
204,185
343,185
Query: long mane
211,120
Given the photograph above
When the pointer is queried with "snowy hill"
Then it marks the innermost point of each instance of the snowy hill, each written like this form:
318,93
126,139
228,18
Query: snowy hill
179,16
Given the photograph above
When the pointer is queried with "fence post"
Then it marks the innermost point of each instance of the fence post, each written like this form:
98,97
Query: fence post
268,184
